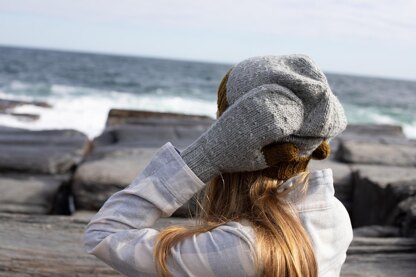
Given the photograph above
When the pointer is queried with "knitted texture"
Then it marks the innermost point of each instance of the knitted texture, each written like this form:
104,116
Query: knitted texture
234,142
324,115
283,159
269,101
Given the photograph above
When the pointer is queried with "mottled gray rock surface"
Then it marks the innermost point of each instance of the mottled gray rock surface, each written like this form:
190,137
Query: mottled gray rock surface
48,152
376,133
30,194
7,104
51,246
125,147
377,153
144,135
36,167
133,117
7,107
377,192
381,257
45,246
374,130
97,179
406,218
377,231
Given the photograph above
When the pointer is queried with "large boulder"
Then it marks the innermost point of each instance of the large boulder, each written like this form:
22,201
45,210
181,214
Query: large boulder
148,135
382,257
36,167
127,128
32,194
376,231
373,130
407,217
52,246
373,133
125,147
47,152
134,117
46,246
377,192
7,106
97,179
350,151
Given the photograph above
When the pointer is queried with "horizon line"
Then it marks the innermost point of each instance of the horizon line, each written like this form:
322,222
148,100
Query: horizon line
144,56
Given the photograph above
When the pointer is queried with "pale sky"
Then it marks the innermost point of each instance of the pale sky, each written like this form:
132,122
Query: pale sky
365,37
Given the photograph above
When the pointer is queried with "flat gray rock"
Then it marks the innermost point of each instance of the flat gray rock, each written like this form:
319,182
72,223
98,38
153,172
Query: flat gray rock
374,130
153,136
372,133
30,194
384,175
151,129
125,147
52,246
6,104
47,152
134,117
377,192
45,246
382,257
15,136
96,180
376,153
376,231
407,216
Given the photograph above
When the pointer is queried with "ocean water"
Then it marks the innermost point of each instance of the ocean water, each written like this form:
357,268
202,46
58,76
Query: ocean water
82,88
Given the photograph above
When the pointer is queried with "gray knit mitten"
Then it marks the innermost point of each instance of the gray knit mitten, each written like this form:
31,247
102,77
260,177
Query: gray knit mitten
234,142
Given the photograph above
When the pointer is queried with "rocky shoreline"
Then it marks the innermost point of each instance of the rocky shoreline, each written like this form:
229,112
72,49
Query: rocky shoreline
52,182
7,107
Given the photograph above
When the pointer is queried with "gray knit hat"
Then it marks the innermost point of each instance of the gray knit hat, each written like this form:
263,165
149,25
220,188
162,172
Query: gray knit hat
323,117
275,114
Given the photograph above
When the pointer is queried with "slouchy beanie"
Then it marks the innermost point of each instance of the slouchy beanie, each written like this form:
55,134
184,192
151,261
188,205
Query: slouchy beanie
323,116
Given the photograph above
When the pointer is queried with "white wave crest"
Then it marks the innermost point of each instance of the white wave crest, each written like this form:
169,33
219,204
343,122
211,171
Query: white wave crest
358,115
88,113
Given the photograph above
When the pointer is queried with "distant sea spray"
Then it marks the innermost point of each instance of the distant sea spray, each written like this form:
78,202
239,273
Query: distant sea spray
86,109
83,87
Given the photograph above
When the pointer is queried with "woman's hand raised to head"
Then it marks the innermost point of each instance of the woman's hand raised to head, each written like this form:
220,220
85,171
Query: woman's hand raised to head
234,142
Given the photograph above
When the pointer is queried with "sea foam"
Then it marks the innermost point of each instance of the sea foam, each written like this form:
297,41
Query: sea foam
87,111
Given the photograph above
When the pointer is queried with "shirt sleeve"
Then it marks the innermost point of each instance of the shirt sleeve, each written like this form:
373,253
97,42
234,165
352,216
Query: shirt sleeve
120,234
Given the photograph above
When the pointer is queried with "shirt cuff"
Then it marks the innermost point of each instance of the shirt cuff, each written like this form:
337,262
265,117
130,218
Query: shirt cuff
167,180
